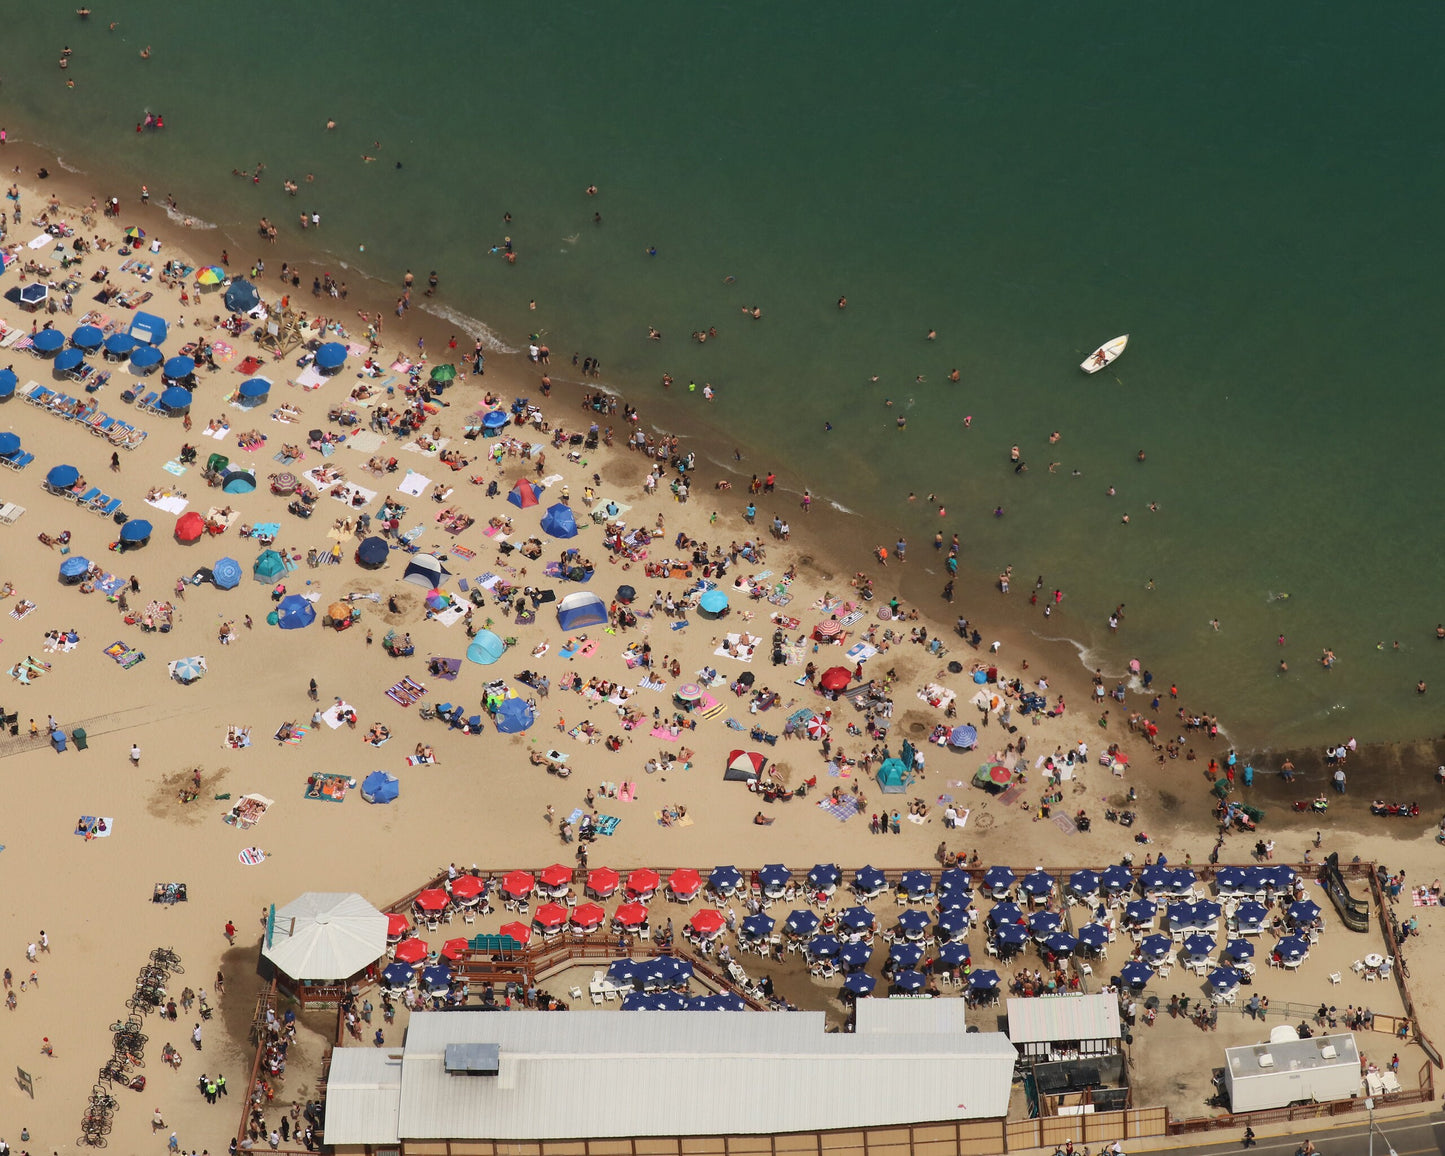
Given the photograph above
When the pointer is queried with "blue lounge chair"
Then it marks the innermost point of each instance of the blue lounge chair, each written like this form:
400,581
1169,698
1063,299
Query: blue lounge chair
41,397
86,498
106,506
21,460
103,426
149,403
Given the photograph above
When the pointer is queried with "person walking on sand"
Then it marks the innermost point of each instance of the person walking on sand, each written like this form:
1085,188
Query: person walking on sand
230,932
134,755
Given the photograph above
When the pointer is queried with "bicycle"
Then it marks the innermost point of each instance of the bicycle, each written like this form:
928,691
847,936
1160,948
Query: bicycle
167,957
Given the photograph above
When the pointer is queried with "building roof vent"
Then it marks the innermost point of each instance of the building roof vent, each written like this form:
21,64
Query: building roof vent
473,1059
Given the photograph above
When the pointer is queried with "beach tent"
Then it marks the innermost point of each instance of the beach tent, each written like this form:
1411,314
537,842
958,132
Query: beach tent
514,716
241,296
331,357
425,570
379,787
894,777
148,328
485,648
524,494
293,612
744,767
325,935
581,609
238,481
269,566
372,553
559,522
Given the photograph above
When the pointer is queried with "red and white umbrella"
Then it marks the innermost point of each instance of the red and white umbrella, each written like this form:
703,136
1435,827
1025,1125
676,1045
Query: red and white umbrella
433,899
518,931
707,922
602,881
556,875
684,882
643,881
631,915
588,916
412,950
818,727
518,884
550,915
467,887
828,628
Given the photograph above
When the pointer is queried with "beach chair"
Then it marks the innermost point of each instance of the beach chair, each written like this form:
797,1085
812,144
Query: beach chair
148,403
41,397
111,506
102,425
133,438
21,460
10,513
86,498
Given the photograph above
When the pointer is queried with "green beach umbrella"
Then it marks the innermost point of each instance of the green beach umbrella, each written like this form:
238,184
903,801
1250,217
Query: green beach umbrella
135,233
443,372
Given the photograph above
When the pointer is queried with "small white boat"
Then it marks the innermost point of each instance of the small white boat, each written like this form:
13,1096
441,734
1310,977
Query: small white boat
1106,354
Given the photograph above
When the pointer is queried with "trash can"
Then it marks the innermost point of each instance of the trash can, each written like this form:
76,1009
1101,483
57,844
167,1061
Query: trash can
77,736
57,740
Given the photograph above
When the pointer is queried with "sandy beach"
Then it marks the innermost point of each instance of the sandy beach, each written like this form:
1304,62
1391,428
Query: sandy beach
483,800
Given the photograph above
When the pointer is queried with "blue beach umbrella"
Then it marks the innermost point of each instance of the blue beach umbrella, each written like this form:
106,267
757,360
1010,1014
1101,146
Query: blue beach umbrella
1198,944
136,531
955,881
175,400
1224,979
953,923
857,919
909,980
146,357
254,390
1156,946
625,970
1251,913
1279,876
999,878
824,946
48,341
1138,912
34,293
1002,913
869,880
1116,878
9,444
725,879
226,573
241,296
87,337
293,612
495,419
397,974
373,552
905,954
1181,879
188,670
380,787
1206,911
713,601
913,922
758,926
74,567
855,955
8,381
801,922
916,883
985,979
1239,950
179,368
331,357
964,737
119,344
62,477
1181,915
1011,934
774,876
1037,884
1292,947
1094,935
1083,883
954,954
436,978
1042,924
957,901
1061,943
639,1001
860,983
823,876
68,360
1136,973
1154,878
1229,879
1303,911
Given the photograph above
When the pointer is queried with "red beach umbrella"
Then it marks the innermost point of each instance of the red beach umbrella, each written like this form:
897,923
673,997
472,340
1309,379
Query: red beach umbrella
454,948
518,931
684,882
433,899
631,915
190,526
588,915
467,887
397,925
412,950
518,884
828,628
836,678
707,922
550,915
818,727
555,876
602,881
643,881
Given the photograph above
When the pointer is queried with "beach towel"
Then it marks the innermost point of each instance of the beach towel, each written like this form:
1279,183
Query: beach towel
414,533
842,810
851,618
174,468
649,684
419,761
429,451
22,610
1012,795
297,734
450,668
170,503
333,715
1063,823
414,484
735,725
464,552
607,824
666,734
308,379
252,856
249,810
237,737
672,819
365,441
627,793
327,788
451,615
715,710
95,827
406,692
742,644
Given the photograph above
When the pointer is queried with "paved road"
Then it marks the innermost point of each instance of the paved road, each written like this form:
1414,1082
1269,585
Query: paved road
1413,1136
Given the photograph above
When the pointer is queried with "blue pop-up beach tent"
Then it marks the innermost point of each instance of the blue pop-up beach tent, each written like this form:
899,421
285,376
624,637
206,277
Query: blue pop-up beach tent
293,612
269,566
559,522
485,648
893,777
514,716
380,787
148,328
581,609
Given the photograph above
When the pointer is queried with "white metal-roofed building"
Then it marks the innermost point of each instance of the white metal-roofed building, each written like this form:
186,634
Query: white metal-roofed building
597,1076
1064,1026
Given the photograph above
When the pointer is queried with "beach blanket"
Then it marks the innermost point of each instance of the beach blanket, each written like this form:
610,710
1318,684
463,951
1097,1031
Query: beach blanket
842,810
464,552
406,692
1424,897
332,716
365,441
851,618
794,653
451,667
414,533
420,761
252,856
607,824
249,810
739,647
309,378
1012,795
169,503
236,738
175,469
666,734
95,827
327,788
649,684
451,615
430,450
414,484
672,819
1063,823
22,609
860,652
297,734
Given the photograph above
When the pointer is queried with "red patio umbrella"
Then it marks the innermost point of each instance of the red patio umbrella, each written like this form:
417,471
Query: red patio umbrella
684,882
602,881
555,876
631,915
412,950
550,915
432,899
467,887
454,948
836,678
397,925
588,915
190,526
518,931
708,921
643,881
518,884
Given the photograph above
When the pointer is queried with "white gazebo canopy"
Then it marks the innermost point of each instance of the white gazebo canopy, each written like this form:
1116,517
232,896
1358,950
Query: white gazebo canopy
326,935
